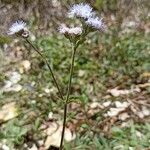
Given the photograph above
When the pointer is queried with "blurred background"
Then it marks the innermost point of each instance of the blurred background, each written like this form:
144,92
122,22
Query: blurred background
111,84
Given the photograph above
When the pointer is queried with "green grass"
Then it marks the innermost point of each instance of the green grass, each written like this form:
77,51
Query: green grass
121,139
14,132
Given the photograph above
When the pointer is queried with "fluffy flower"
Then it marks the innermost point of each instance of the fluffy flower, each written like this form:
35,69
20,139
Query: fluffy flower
65,30
81,10
17,27
96,23
76,30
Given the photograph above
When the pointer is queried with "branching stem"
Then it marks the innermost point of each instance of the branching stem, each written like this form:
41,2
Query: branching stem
48,65
74,47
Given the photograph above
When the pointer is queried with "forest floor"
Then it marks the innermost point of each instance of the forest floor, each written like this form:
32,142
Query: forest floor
110,96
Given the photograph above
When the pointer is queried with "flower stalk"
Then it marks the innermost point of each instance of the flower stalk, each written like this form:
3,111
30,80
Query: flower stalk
48,65
74,47
76,35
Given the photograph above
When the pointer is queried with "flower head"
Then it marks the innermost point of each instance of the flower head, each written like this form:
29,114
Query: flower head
81,10
63,29
96,23
17,27
75,30
72,31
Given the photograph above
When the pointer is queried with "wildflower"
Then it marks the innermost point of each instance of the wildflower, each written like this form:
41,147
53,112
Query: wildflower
81,10
96,23
63,29
18,28
76,31
72,31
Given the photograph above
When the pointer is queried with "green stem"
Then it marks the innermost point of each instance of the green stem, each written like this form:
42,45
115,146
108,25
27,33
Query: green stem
49,67
68,95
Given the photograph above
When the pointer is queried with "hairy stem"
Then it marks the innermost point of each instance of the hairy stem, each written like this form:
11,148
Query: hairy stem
68,95
49,67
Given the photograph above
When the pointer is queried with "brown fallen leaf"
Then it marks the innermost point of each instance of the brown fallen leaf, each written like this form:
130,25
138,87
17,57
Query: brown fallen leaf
123,116
144,85
8,111
25,65
54,132
115,92
146,74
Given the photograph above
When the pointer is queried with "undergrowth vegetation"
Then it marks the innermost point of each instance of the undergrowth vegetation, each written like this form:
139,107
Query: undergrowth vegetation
109,62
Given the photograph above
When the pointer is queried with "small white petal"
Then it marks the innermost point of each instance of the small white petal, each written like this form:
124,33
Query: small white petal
16,27
65,30
81,10
96,23
76,31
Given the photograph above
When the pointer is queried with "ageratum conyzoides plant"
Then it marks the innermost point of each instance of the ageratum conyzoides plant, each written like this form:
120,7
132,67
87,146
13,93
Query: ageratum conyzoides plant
77,35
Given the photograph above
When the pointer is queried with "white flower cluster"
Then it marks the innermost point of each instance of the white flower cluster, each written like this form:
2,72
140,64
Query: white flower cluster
73,31
96,23
17,27
85,11
81,10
